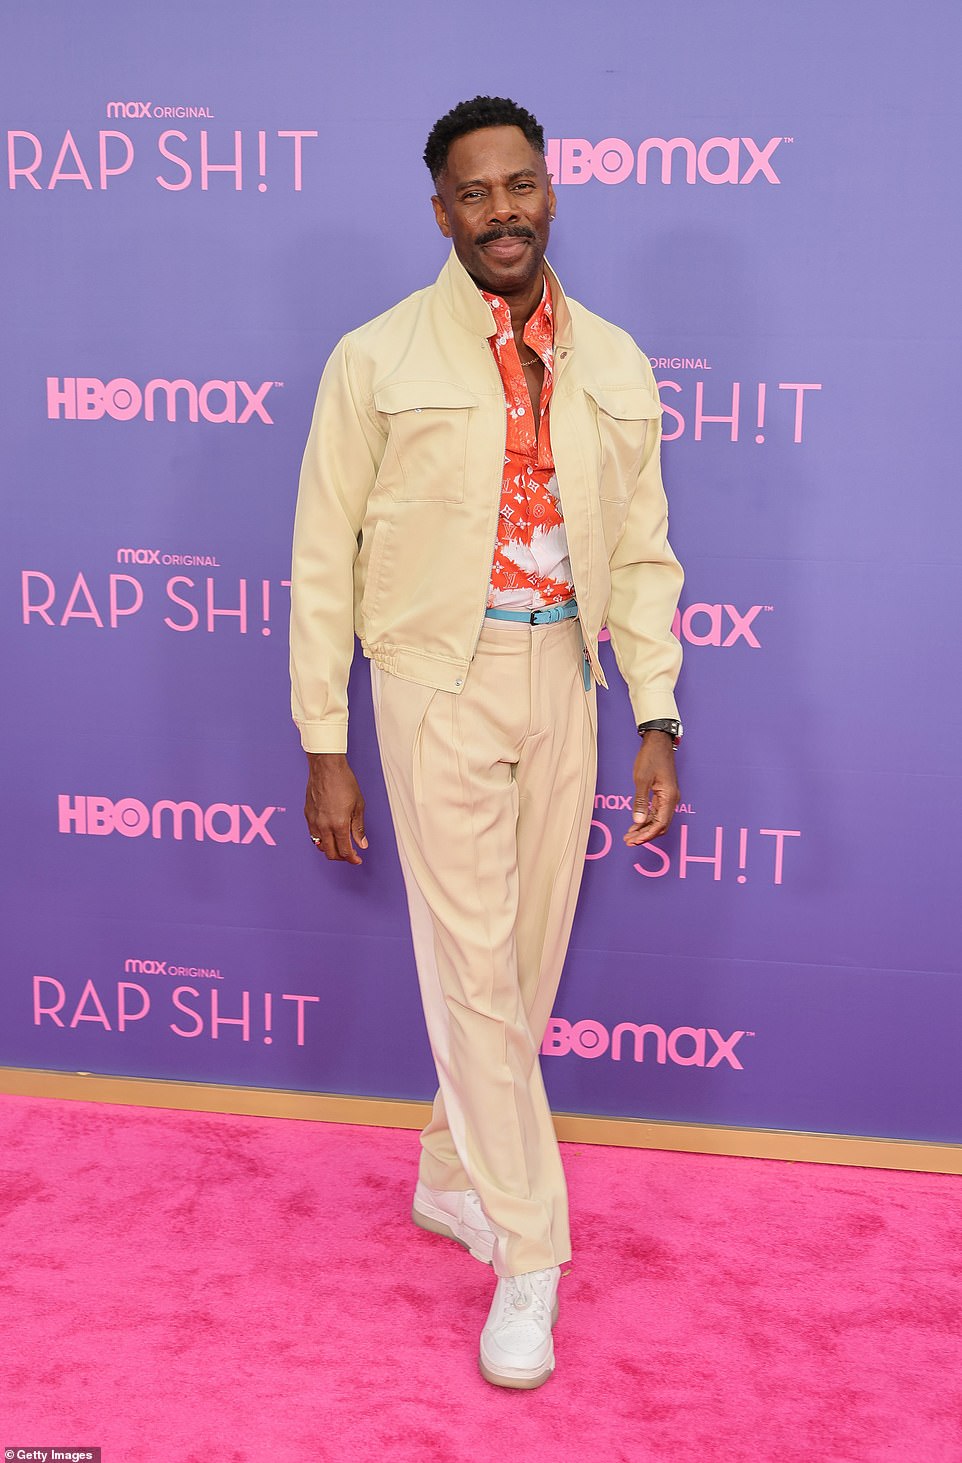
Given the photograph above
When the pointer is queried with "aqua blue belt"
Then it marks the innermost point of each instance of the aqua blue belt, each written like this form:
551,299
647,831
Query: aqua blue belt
550,616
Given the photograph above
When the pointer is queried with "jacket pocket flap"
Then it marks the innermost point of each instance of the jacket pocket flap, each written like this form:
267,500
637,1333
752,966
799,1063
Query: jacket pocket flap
625,403
396,396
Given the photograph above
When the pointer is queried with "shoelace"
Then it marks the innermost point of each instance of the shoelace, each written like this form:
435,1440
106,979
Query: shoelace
522,1291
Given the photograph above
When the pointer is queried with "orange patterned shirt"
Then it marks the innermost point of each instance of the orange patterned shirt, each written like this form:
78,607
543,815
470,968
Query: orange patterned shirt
530,567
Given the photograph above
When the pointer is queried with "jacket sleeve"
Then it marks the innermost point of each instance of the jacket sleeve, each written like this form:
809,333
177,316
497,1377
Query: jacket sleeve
338,471
646,580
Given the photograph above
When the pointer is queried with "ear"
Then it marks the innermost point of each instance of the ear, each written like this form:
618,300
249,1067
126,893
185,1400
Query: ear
552,200
441,216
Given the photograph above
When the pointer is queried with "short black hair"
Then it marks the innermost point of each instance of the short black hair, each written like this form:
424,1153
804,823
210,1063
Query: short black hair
469,117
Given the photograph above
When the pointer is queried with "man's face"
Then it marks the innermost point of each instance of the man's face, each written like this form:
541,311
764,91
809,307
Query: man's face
495,203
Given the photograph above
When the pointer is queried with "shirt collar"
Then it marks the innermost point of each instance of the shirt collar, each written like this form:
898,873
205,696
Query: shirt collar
542,321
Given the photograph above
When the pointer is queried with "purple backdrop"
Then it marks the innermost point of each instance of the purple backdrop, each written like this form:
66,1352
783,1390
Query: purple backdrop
209,196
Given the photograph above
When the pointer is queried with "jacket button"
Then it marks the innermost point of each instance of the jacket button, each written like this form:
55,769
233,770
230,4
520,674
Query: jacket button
459,683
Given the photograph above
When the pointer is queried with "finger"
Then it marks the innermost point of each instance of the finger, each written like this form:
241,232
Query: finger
667,802
660,813
641,833
357,828
324,843
318,833
637,833
657,822
641,808
342,843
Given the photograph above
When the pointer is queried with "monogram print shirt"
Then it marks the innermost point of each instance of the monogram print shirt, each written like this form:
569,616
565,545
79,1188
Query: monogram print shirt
530,568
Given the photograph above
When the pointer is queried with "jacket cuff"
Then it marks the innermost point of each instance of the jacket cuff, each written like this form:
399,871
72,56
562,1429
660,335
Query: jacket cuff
323,736
654,706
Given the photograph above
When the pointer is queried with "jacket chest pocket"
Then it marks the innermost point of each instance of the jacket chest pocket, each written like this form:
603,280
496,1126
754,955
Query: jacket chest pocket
428,424
624,417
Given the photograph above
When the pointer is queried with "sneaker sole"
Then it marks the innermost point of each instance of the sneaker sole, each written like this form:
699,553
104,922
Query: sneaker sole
440,1224
519,1381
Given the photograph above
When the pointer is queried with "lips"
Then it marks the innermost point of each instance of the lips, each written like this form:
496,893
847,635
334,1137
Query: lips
506,250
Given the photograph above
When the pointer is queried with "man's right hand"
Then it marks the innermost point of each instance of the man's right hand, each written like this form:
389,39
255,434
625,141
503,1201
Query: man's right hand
334,807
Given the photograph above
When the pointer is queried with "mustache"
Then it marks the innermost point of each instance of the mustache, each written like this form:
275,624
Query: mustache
510,231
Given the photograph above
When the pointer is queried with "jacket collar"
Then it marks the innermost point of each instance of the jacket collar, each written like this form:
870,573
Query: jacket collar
470,309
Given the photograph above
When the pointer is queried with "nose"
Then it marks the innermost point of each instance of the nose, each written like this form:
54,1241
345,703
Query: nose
502,206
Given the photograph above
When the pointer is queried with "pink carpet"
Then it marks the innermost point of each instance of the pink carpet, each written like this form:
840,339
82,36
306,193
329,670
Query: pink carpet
187,1288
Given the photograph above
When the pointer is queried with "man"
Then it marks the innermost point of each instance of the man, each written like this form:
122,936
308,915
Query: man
480,495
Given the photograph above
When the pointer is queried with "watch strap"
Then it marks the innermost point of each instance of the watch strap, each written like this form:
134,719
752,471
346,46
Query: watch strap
670,725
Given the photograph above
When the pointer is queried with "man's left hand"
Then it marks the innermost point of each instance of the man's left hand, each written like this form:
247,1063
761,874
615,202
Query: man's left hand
656,789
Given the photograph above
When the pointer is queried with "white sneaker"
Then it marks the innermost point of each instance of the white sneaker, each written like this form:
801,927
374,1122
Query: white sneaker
517,1349
457,1215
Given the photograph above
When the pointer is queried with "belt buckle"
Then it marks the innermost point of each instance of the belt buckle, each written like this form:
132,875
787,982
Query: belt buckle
552,614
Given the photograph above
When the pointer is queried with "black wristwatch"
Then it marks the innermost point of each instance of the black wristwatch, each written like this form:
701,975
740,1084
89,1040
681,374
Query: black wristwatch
667,724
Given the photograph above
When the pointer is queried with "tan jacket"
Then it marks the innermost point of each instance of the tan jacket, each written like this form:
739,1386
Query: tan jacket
400,490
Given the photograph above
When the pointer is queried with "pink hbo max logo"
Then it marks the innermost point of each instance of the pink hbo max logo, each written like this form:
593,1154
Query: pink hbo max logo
221,822
686,1046
738,160
720,625
86,399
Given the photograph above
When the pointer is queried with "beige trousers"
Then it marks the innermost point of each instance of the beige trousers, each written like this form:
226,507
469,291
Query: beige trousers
491,793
